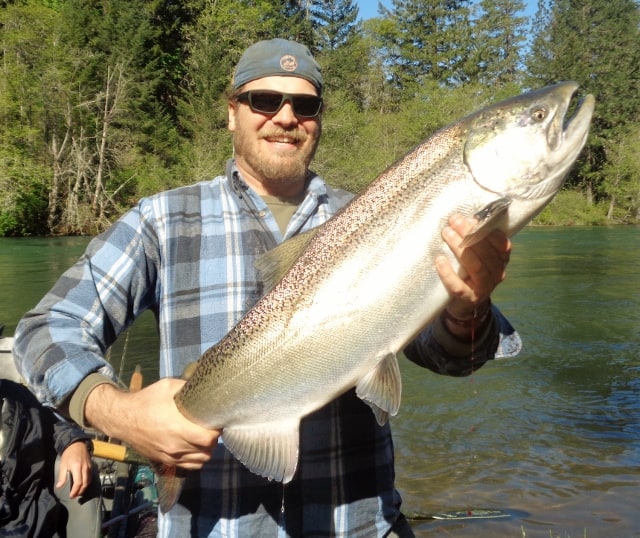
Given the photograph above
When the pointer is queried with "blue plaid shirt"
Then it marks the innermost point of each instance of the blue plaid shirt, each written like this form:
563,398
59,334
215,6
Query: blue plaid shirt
188,255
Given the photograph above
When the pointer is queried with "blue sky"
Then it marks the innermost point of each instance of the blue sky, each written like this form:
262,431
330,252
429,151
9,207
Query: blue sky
369,8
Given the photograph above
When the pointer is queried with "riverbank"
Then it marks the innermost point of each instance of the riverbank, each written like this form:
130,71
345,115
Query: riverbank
571,208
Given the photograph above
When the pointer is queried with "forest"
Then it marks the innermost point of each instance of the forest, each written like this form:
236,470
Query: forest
103,102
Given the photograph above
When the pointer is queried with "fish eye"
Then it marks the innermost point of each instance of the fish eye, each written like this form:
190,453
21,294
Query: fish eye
539,114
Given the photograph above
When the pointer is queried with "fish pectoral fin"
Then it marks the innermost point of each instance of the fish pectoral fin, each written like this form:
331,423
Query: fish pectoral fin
188,370
487,216
273,265
269,450
382,388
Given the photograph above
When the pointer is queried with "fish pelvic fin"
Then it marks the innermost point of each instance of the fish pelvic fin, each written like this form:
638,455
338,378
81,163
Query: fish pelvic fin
275,263
169,481
381,388
269,450
487,218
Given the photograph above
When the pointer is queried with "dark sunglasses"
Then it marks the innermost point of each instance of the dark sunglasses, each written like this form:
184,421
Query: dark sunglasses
269,102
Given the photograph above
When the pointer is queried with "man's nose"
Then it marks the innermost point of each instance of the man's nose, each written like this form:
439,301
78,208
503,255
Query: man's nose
286,115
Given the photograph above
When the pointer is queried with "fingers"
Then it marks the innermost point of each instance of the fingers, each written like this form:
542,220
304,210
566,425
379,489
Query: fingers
483,264
162,433
77,474
192,458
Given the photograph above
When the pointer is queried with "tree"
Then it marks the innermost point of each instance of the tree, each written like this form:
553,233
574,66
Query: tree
339,48
594,42
500,37
427,42
29,49
334,23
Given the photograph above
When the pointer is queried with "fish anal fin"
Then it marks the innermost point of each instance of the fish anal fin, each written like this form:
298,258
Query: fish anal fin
273,264
269,450
487,218
381,388
169,481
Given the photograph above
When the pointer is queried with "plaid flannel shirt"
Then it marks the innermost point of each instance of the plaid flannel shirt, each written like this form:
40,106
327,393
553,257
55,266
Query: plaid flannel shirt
188,254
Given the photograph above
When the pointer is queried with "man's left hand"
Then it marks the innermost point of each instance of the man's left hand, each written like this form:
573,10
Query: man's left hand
483,266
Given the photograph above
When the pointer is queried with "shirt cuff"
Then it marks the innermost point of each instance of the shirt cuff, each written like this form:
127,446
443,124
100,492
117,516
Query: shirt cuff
79,397
457,347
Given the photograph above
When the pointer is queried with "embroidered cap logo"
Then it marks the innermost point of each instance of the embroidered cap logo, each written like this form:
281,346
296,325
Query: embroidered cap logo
288,63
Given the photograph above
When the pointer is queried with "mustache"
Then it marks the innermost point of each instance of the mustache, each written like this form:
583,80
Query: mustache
294,134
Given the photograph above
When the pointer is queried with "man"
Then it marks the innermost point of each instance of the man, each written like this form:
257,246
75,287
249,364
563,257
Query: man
188,255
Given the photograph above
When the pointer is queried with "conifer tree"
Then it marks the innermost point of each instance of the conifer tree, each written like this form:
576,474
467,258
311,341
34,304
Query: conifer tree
595,43
339,47
428,42
500,31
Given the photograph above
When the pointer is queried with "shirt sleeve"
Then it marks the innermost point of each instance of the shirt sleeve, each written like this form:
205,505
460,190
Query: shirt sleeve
440,351
66,433
64,338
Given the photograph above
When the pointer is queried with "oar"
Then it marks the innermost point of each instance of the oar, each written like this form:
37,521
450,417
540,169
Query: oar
135,383
112,451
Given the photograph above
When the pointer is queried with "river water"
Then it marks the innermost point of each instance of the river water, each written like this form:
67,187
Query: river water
551,438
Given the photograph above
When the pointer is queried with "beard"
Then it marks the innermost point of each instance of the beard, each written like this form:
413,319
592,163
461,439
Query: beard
276,167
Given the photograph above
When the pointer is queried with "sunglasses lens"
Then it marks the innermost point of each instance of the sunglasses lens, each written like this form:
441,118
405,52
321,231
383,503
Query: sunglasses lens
306,106
265,102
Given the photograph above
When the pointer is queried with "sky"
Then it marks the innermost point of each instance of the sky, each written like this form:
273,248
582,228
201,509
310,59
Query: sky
369,8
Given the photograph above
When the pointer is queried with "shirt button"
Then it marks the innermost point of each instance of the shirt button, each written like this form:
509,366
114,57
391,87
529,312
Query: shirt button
262,214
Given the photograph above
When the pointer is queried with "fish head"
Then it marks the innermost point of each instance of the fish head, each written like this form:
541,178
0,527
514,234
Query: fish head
524,146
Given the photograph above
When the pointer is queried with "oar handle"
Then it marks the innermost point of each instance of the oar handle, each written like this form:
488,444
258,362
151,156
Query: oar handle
111,451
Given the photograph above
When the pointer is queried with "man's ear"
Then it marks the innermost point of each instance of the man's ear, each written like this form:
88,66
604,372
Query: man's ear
231,110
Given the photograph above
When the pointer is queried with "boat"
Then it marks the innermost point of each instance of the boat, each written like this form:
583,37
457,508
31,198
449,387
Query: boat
128,499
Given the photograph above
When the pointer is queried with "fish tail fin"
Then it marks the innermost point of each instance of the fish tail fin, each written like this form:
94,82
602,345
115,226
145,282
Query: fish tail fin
169,481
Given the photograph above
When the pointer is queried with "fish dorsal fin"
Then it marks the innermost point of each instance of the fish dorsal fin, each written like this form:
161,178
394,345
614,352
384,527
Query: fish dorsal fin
381,388
487,217
269,450
273,264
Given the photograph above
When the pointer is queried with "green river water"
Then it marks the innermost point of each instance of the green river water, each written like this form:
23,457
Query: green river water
551,437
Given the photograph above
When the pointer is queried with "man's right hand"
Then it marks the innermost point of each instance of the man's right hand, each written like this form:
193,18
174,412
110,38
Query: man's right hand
149,422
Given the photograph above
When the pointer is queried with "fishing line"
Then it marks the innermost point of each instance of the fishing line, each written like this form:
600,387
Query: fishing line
473,350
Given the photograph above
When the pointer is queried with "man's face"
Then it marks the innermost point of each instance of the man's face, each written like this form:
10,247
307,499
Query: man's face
273,151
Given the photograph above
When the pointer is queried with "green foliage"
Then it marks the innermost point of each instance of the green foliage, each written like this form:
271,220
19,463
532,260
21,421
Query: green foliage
595,43
105,101
23,196
501,36
622,175
571,208
428,41
334,23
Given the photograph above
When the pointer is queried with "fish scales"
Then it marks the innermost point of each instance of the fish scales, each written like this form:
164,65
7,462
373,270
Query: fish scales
344,298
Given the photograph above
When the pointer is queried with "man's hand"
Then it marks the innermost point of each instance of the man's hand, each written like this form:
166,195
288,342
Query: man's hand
149,422
483,266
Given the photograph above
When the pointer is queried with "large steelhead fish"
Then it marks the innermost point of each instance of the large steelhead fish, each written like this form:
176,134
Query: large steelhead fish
346,297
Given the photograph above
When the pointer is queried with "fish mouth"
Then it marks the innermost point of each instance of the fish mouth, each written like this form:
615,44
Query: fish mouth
574,129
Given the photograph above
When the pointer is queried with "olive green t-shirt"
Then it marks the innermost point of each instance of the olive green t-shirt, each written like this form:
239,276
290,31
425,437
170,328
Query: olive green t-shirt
282,209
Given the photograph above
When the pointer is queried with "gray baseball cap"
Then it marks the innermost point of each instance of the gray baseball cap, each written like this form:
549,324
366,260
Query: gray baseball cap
277,57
